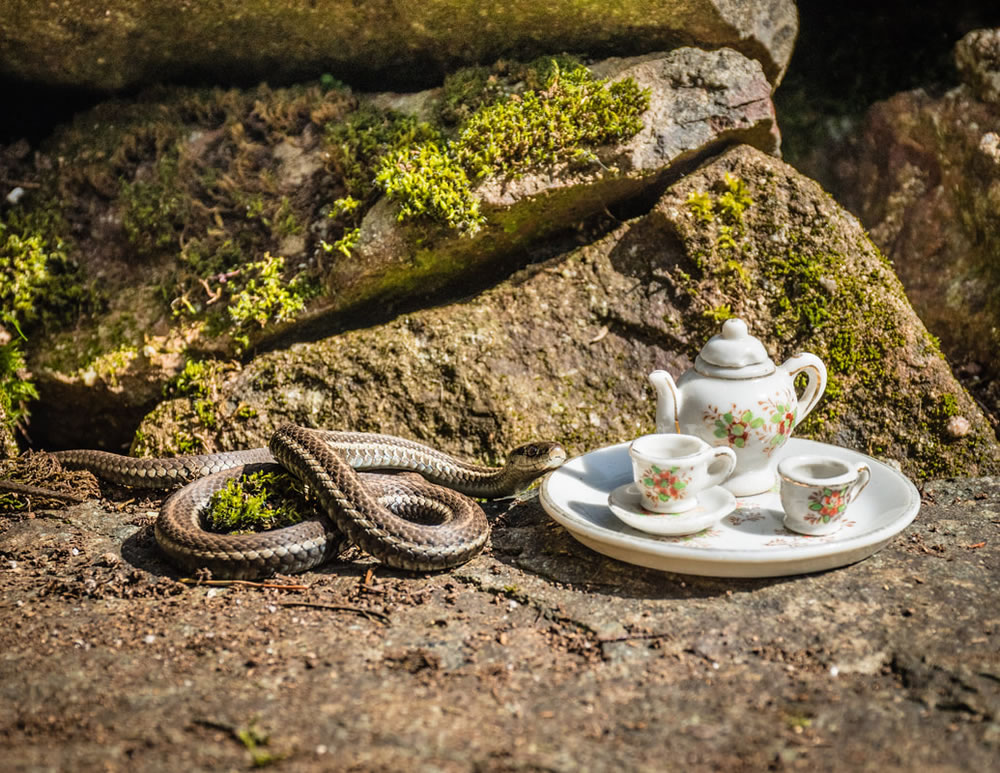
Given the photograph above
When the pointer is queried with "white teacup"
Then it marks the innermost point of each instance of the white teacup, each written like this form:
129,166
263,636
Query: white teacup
816,490
670,470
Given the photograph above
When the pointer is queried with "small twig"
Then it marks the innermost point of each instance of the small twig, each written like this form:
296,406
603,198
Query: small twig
213,296
371,615
213,725
634,636
244,583
38,491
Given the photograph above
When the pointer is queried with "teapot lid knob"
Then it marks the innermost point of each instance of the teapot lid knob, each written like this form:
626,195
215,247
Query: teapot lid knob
734,328
734,353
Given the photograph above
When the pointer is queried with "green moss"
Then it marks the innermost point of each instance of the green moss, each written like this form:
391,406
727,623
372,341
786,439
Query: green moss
245,412
470,89
198,182
200,381
16,391
193,380
702,206
39,284
154,210
357,145
261,295
561,122
205,410
261,501
345,244
733,201
23,269
947,406
466,91
186,443
718,314
573,111
427,181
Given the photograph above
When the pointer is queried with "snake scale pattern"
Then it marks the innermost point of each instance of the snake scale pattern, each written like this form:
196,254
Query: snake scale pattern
421,519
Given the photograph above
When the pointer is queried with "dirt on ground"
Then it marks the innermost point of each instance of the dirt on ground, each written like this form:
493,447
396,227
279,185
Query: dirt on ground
538,655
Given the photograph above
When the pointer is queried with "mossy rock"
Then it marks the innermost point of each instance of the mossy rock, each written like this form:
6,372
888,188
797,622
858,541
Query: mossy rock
205,223
562,349
119,44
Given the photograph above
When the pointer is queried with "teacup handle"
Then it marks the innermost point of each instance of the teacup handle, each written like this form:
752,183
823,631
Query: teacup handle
729,456
864,475
815,372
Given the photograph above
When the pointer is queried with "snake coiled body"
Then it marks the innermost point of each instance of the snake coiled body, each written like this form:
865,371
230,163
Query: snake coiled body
386,515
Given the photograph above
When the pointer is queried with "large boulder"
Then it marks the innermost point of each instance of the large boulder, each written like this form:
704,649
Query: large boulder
699,102
923,174
562,349
171,204
116,44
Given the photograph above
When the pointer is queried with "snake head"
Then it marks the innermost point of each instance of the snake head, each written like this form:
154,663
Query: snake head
536,459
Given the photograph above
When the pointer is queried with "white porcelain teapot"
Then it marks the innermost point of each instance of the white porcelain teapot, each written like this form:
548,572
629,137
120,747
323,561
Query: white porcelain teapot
735,395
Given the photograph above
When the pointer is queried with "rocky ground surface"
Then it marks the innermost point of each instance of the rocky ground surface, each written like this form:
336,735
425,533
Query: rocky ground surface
537,655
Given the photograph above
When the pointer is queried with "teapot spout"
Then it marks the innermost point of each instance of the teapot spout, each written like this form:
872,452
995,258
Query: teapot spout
668,401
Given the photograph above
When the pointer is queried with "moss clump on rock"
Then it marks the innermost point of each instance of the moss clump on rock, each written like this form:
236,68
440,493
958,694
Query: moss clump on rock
16,391
426,181
560,122
39,285
813,284
262,295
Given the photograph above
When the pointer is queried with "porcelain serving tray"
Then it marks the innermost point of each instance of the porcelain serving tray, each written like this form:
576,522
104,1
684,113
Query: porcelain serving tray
749,542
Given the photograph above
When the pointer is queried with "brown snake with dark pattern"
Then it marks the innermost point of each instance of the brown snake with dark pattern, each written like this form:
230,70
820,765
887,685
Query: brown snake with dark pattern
406,521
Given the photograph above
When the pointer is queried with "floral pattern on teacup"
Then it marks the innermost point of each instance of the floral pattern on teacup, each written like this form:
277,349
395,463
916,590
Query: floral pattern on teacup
663,485
827,504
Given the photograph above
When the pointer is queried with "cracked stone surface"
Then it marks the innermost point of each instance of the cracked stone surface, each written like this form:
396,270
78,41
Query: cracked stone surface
538,655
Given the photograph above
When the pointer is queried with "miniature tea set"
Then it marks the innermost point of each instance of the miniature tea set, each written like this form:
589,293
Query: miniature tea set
722,488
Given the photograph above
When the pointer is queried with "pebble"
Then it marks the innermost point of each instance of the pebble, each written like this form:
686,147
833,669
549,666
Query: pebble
958,426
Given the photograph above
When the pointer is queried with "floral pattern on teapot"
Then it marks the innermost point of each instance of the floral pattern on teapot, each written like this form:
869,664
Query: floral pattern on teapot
772,424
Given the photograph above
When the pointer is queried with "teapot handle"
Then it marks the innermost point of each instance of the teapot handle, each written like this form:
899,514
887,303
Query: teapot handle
815,372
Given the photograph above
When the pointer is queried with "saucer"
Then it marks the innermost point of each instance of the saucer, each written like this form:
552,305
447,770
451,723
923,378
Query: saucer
713,504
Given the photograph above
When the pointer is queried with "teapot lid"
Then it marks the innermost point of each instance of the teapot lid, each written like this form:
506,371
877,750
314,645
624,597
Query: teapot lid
734,353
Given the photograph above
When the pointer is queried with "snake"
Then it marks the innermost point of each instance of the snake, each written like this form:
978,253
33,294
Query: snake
421,518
